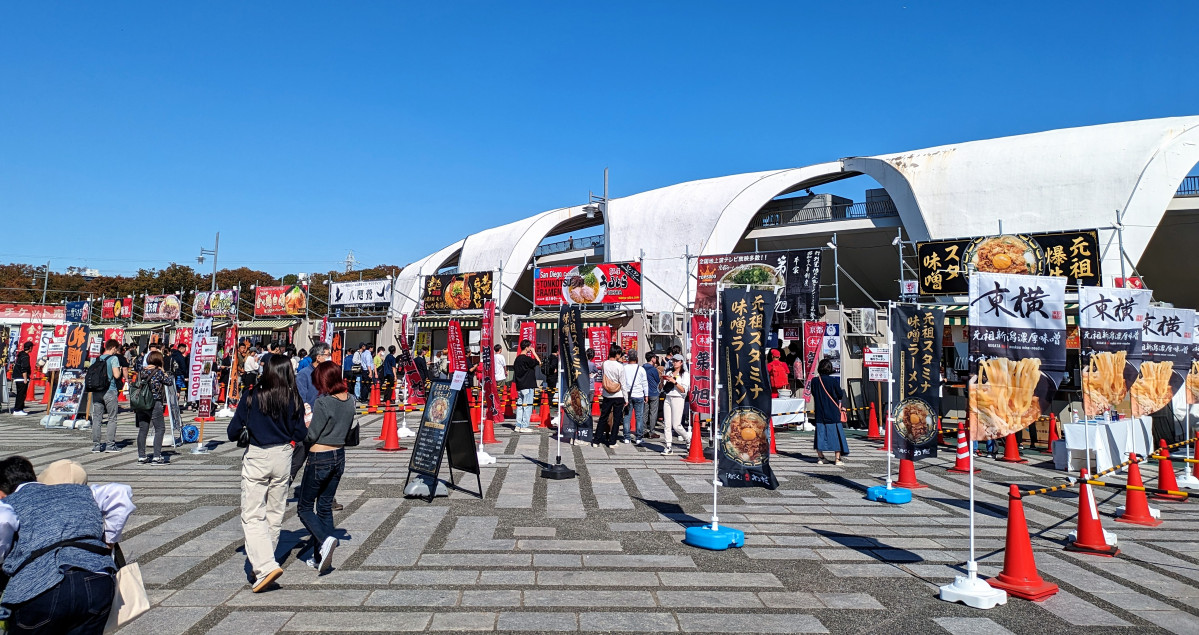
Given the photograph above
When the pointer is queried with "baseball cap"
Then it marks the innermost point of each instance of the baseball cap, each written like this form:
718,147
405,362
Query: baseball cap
62,472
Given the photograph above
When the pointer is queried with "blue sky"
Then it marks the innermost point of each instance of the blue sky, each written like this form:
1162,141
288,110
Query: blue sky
301,130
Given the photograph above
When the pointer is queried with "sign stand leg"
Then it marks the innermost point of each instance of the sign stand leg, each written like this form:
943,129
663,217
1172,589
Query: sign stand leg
557,471
1187,478
969,589
888,493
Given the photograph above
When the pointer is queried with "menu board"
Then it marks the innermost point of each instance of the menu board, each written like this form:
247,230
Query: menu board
286,300
444,427
604,283
161,307
457,291
1073,255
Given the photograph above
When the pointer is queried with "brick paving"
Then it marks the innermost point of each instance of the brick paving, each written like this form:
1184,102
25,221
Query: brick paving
603,552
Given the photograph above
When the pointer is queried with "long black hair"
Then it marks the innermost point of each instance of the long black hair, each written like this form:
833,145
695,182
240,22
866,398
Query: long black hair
277,395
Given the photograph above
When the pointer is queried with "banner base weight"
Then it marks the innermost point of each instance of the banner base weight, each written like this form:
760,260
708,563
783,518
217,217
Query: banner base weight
894,496
717,539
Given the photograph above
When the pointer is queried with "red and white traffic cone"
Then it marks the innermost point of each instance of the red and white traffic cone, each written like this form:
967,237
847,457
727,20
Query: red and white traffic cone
1136,509
1090,536
962,464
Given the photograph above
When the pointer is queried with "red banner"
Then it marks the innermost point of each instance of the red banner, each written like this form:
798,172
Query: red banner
114,334
416,383
286,300
336,345
813,340
183,336
233,389
599,338
457,348
628,341
701,364
605,283
32,312
32,332
528,331
117,308
162,307
486,341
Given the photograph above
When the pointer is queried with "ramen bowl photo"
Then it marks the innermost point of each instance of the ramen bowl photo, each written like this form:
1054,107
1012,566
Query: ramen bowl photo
439,409
746,440
1005,254
754,274
583,285
916,421
457,295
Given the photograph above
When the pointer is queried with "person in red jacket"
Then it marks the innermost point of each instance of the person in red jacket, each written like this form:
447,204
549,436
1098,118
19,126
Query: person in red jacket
777,371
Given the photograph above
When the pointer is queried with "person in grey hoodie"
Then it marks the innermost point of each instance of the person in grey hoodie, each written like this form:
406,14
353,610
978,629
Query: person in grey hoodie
332,417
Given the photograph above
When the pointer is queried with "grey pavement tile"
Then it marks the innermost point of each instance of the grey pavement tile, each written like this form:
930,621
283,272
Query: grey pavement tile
534,532
790,600
212,597
172,620
558,560
537,544
709,599
849,601
971,626
533,621
463,621
717,579
504,560
597,578
630,621
865,570
1174,621
780,553
257,622
638,561
460,577
358,621
300,598
749,623
1133,602
413,597
502,597
1078,611
508,578
622,598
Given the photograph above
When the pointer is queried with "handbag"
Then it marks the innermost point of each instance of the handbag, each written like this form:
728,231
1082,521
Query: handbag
844,415
130,599
243,439
354,434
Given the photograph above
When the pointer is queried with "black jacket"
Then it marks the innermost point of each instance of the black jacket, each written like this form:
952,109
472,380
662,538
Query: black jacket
22,366
265,431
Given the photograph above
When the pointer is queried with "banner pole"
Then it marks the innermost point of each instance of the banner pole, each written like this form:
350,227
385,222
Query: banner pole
716,408
890,385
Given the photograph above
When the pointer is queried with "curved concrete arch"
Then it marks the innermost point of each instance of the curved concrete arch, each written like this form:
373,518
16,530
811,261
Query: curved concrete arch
898,189
1157,184
424,267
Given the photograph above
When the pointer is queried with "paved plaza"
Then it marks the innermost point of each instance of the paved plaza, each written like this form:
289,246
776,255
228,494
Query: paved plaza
603,552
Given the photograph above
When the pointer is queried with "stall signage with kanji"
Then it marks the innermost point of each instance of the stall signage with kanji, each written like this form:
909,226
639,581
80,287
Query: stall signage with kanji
1073,255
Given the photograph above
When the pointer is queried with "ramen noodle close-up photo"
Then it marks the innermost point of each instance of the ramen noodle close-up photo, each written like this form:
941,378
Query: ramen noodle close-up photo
747,442
1005,254
1003,397
1103,384
457,295
1152,391
583,284
1192,384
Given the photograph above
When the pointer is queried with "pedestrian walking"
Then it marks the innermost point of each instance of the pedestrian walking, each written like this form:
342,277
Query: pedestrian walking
612,402
387,373
830,431
22,370
524,375
153,374
500,366
273,418
675,384
638,390
332,418
104,402
653,398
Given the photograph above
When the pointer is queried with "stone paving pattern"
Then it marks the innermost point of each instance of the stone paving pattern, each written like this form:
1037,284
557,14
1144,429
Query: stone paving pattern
603,552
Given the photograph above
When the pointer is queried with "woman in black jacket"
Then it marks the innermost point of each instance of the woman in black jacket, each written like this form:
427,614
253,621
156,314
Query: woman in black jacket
273,416
827,394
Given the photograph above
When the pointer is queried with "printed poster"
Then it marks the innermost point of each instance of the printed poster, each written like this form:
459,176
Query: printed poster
744,405
360,293
117,308
1109,343
1167,337
286,300
1075,255
604,283
54,348
796,271
161,308
576,422
221,303
916,377
458,291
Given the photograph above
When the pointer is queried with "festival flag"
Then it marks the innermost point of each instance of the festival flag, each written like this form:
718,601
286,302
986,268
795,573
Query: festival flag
528,331
744,405
486,342
599,339
416,383
577,387
457,348
701,364
1167,336
1017,350
813,343
916,377
1110,322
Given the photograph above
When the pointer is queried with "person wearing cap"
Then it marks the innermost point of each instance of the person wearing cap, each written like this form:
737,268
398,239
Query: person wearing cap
56,534
777,371
675,384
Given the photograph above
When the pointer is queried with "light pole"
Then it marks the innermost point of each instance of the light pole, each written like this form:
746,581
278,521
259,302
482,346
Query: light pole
216,247
45,279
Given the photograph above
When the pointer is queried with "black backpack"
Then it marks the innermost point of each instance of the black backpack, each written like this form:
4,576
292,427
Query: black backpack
96,379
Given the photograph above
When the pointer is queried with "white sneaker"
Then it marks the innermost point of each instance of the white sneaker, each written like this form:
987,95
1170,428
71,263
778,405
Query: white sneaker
327,548
627,441
20,413
667,451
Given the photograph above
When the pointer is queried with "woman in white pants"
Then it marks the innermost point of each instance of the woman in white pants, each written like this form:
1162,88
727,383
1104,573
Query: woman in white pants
674,391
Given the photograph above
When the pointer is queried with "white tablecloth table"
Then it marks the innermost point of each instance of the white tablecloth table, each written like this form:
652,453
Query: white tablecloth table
1110,441
790,412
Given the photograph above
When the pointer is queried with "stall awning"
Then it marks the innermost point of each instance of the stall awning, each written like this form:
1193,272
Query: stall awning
590,318
264,327
356,323
192,325
442,321
146,327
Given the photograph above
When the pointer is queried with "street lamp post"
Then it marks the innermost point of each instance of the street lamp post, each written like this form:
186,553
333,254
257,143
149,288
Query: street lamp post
216,247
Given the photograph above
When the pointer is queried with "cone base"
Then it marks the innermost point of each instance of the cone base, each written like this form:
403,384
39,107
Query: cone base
1015,460
399,449
1188,481
877,437
1168,498
1034,590
1148,521
1107,551
973,592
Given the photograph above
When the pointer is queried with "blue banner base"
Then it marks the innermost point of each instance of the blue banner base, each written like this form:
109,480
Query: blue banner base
894,496
717,539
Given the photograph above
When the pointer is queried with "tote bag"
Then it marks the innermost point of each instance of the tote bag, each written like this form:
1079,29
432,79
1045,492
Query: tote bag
130,599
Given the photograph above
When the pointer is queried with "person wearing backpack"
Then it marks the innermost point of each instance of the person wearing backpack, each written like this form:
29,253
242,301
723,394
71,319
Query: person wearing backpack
146,399
102,380
615,389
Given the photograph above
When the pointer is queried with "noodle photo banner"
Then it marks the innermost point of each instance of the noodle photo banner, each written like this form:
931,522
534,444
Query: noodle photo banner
486,341
1017,350
457,291
1167,336
576,390
797,271
1110,322
942,264
916,373
1192,383
744,403
701,364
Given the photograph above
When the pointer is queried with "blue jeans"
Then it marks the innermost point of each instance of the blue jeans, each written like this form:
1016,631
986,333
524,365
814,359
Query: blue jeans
524,407
78,605
636,419
322,474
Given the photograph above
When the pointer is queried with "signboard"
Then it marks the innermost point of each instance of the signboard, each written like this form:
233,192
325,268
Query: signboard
1074,255
54,348
628,342
117,308
878,373
909,287
916,398
37,312
286,300
1132,282
457,348
604,283
797,272
360,293
876,357
75,346
528,331
221,303
1167,336
599,339
174,419
576,420
1109,345
161,307
203,353
744,405
69,395
830,347
79,311
445,428
458,291
701,364
95,345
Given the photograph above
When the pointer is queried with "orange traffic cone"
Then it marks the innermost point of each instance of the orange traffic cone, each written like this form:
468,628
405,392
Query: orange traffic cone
535,411
872,433
544,410
1195,470
1019,576
29,392
391,437
595,402
961,464
1136,504
1052,431
46,392
489,431
1011,450
696,453
907,475
773,448
374,398
508,399
1165,475
388,419
1089,537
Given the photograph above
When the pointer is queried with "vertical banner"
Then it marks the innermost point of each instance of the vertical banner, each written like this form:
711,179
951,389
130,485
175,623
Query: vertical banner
813,342
576,392
1017,350
1109,347
31,332
628,341
326,335
1167,337
744,402
701,364
117,334
486,342
599,339
200,336
69,395
74,346
457,348
1192,383
337,346
528,331
916,373
184,336
407,362
233,389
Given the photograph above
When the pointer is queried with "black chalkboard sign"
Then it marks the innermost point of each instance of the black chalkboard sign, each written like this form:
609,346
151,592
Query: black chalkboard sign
444,428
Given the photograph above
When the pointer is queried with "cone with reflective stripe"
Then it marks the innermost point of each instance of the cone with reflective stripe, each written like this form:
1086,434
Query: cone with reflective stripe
773,448
907,475
1053,431
391,437
544,409
962,463
696,452
1011,450
1136,509
872,432
1165,475
1090,537
1019,576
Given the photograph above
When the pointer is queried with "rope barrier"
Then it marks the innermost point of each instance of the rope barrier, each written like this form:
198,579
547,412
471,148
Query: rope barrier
1046,490
1135,488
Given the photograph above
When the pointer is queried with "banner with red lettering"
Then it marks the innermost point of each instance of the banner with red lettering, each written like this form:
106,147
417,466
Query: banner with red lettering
31,332
813,341
457,347
528,331
599,338
701,364
486,341
285,300
32,312
233,390
628,341
117,308
95,345
416,383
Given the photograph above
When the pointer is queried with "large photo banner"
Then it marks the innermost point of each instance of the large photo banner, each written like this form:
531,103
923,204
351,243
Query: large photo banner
576,391
1110,321
286,300
604,283
599,339
221,303
1167,337
797,272
360,293
943,264
159,308
117,308
701,364
456,346
744,402
1017,350
916,377
457,291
